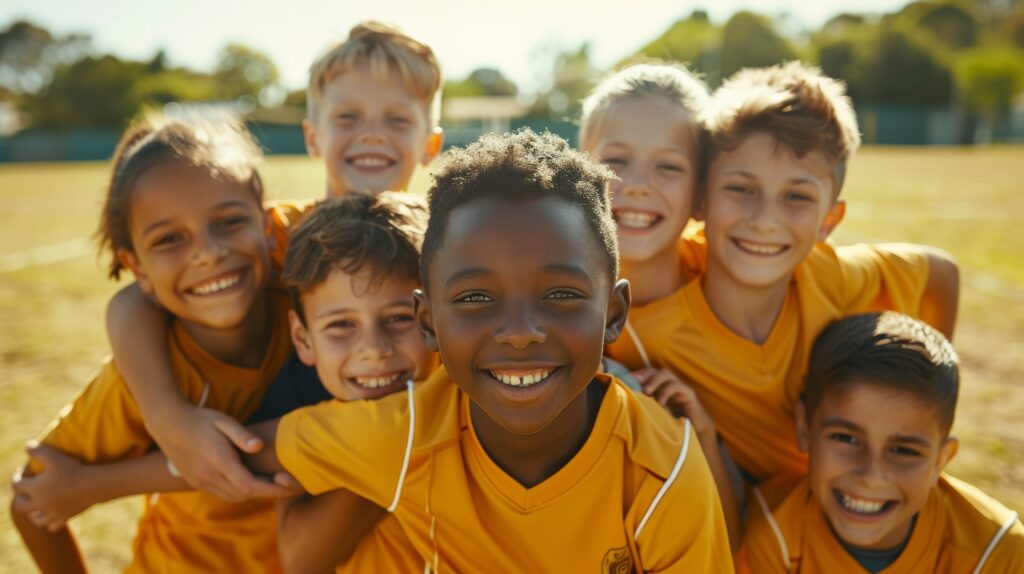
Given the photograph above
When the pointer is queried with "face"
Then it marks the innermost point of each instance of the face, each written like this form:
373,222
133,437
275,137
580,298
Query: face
521,313
650,143
362,338
766,208
874,454
370,132
199,245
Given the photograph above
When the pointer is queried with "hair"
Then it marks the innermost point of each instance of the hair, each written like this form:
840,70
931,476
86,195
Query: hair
380,51
889,349
802,108
379,232
672,82
220,144
518,166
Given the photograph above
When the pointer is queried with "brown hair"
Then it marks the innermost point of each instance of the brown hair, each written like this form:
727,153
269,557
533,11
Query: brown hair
381,232
672,82
802,108
888,349
220,144
379,50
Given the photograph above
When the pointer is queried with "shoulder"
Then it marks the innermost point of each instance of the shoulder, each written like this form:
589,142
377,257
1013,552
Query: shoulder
287,213
652,437
776,509
978,524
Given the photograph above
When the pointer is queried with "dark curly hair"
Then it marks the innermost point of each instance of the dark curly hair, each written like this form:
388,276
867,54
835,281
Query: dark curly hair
379,232
889,349
521,165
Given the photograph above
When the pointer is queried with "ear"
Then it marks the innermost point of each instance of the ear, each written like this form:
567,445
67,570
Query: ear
309,136
832,219
131,261
803,433
618,311
947,451
302,340
424,319
434,145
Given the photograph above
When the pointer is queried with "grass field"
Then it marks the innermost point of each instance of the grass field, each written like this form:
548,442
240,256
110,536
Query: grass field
968,202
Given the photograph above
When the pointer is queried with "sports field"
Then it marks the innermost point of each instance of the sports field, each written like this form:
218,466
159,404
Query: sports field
968,201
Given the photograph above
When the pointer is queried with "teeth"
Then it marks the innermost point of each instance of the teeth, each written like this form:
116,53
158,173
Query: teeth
370,161
376,382
522,381
862,506
761,248
218,285
635,219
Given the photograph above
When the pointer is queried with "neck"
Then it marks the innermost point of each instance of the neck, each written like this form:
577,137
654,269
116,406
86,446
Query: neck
532,459
655,277
243,345
748,311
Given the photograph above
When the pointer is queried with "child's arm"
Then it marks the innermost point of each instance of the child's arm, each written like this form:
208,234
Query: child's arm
53,551
941,298
319,533
199,441
682,401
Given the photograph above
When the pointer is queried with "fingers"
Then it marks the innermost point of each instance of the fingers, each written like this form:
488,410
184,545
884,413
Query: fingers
240,436
644,374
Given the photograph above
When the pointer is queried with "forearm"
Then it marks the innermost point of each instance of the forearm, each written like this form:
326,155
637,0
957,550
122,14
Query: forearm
941,300
264,461
317,534
129,477
726,490
55,552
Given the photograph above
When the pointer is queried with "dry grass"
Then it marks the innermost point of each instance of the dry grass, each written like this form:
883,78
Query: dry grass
965,201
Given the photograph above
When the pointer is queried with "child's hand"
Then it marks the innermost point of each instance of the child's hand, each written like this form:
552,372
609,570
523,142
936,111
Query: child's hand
201,444
678,397
58,493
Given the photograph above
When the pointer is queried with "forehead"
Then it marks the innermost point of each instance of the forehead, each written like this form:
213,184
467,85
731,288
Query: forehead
174,188
341,290
882,410
654,120
358,85
764,156
518,236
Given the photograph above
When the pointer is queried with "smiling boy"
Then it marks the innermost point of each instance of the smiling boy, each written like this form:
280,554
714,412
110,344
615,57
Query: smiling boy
880,398
530,461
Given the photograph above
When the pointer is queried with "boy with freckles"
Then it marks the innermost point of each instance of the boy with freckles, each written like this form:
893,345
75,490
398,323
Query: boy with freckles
532,460
875,418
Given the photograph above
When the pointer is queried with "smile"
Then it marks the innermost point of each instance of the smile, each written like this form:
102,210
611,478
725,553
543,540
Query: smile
760,248
863,506
635,219
377,381
521,378
371,161
216,285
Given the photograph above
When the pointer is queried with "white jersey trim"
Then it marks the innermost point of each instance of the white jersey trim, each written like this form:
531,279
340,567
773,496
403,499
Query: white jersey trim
775,527
668,482
408,446
639,346
995,540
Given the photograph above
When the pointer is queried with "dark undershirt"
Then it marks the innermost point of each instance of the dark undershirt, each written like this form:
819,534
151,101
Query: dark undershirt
875,561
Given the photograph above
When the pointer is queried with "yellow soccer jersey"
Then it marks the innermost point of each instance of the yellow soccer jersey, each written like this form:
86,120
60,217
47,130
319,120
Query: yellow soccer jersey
281,217
638,496
959,530
750,389
182,531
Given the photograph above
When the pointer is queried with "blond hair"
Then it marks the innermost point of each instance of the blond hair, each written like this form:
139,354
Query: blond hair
802,108
675,83
378,50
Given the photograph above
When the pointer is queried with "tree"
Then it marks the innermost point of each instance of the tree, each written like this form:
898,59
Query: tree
572,79
750,40
694,41
896,65
952,25
990,78
29,54
243,71
482,82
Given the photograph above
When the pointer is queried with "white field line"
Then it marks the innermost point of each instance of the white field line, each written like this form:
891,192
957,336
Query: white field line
45,254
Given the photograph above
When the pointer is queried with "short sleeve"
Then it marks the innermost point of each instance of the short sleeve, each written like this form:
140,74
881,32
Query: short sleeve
686,531
881,277
358,445
281,217
102,424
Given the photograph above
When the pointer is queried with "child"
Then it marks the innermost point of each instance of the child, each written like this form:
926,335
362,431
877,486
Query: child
531,461
351,269
779,139
370,118
184,214
879,402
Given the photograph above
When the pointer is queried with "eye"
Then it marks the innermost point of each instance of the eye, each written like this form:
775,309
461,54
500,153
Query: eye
563,295
399,321
739,189
233,222
168,240
346,117
905,451
400,121
671,168
844,438
339,326
614,162
800,196
472,298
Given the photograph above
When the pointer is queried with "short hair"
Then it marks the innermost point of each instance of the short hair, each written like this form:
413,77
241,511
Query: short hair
218,143
797,104
517,166
379,50
379,232
672,82
888,349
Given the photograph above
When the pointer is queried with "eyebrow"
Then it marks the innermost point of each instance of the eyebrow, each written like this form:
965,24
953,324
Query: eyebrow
468,273
567,269
165,222
843,423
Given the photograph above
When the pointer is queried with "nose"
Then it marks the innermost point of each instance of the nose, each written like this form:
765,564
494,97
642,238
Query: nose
520,328
376,342
763,217
371,133
871,471
209,250
634,182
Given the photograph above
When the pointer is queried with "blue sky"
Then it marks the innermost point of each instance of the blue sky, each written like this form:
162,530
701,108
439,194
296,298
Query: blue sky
466,34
